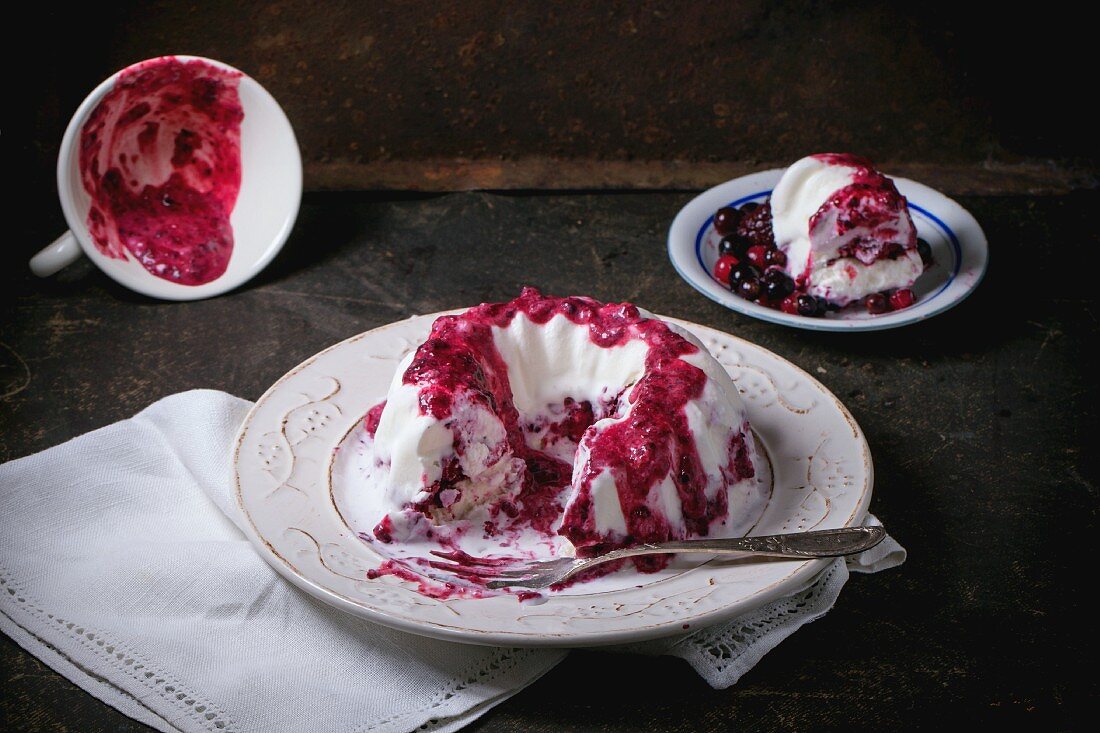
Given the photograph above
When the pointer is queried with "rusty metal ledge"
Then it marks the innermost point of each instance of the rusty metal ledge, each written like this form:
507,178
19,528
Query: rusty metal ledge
989,178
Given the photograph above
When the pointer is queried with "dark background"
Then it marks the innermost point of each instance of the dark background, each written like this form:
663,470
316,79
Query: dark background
456,152
453,96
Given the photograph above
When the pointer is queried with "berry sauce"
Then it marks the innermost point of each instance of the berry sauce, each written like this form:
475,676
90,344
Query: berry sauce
426,586
872,202
374,416
471,575
160,157
460,359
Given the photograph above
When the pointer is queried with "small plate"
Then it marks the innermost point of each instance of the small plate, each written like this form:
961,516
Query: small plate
958,244
289,485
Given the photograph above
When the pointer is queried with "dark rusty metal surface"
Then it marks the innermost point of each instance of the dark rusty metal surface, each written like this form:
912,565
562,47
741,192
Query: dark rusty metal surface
980,422
653,94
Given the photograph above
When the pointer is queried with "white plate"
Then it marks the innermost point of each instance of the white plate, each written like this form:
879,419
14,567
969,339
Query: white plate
286,451
958,247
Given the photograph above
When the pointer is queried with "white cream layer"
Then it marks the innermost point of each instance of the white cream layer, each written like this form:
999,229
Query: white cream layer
812,255
547,363
802,190
847,279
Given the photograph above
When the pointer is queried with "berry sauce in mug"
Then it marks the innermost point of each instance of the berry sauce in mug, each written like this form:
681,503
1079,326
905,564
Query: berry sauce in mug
160,157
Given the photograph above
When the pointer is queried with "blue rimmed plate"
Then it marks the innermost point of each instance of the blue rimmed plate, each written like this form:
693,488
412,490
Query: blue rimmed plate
958,244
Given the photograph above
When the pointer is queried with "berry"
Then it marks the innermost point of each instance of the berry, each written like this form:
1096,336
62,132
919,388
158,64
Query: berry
735,245
741,273
726,220
925,251
790,304
757,255
808,305
891,251
775,257
876,303
777,285
902,299
749,289
750,207
722,268
756,225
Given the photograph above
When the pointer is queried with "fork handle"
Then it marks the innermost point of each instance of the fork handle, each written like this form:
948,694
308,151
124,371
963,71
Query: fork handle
820,543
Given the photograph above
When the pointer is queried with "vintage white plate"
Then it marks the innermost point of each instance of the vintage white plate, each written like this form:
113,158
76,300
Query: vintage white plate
958,243
286,450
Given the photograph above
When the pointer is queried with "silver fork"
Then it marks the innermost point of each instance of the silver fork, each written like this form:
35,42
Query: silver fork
539,574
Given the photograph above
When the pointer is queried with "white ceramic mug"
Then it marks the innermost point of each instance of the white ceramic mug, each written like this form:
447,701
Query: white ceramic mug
266,208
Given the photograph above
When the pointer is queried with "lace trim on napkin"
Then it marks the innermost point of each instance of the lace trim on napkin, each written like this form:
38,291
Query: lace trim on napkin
116,656
503,661
722,653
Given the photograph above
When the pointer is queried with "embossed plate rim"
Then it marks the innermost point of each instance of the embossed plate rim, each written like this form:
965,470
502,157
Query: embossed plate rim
644,624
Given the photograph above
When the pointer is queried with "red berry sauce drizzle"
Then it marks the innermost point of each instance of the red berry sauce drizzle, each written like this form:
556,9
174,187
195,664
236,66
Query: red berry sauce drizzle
871,201
160,157
460,357
751,265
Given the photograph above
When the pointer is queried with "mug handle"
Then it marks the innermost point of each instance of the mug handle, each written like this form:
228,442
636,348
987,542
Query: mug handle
64,251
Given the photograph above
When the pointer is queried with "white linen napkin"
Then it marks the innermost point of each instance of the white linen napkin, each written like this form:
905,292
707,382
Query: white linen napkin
121,569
